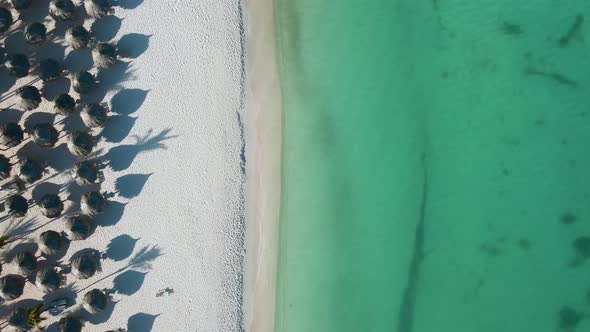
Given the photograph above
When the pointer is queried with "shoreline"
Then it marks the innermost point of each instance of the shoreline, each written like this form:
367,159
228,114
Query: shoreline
263,176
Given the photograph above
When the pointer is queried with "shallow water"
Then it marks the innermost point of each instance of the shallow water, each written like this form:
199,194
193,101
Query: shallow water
435,165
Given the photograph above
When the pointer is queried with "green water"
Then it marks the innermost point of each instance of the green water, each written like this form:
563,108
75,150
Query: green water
435,165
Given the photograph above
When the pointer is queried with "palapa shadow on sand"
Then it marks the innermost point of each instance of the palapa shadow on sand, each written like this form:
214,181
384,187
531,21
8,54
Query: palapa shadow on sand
128,4
120,248
129,282
141,322
106,28
79,60
124,103
121,157
131,185
119,128
45,188
128,101
133,45
11,114
112,215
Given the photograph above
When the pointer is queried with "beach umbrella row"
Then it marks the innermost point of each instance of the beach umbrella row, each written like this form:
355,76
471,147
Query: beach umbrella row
78,227
83,265
94,301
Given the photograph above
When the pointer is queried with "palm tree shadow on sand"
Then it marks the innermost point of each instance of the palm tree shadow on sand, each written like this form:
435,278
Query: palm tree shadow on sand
141,322
120,157
141,261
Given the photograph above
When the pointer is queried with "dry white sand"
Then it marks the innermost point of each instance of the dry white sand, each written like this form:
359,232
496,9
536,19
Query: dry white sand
263,152
178,171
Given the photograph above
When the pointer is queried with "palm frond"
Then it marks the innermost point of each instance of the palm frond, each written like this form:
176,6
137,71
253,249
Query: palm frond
34,317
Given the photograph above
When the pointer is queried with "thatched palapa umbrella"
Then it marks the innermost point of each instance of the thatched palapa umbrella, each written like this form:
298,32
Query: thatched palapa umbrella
25,262
52,243
70,324
17,206
62,10
77,37
18,65
81,143
45,135
85,265
64,104
12,286
51,205
11,134
79,227
35,33
49,280
5,167
105,55
87,173
30,170
94,115
83,82
93,202
98,8
49,70
95,301
6,19
28,97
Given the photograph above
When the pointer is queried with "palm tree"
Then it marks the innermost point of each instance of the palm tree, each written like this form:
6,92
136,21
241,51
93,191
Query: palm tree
87,173
26,263
48,280
5,167
11,286
94,115
86,264
17,206
95,301
62,10
52,243
35,33
70,324
25,319
11,134
49,70
6,19
18,65
81,143
98,8
51,205
77,37
21,5
93,202
64,104
30,170
79,227
28,97
45,135
105,55
83,82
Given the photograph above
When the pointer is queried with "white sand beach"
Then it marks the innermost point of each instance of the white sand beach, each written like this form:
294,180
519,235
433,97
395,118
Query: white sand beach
263,149
173,234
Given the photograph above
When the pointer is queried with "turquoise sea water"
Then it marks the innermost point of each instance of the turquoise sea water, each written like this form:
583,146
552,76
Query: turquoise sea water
435,165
